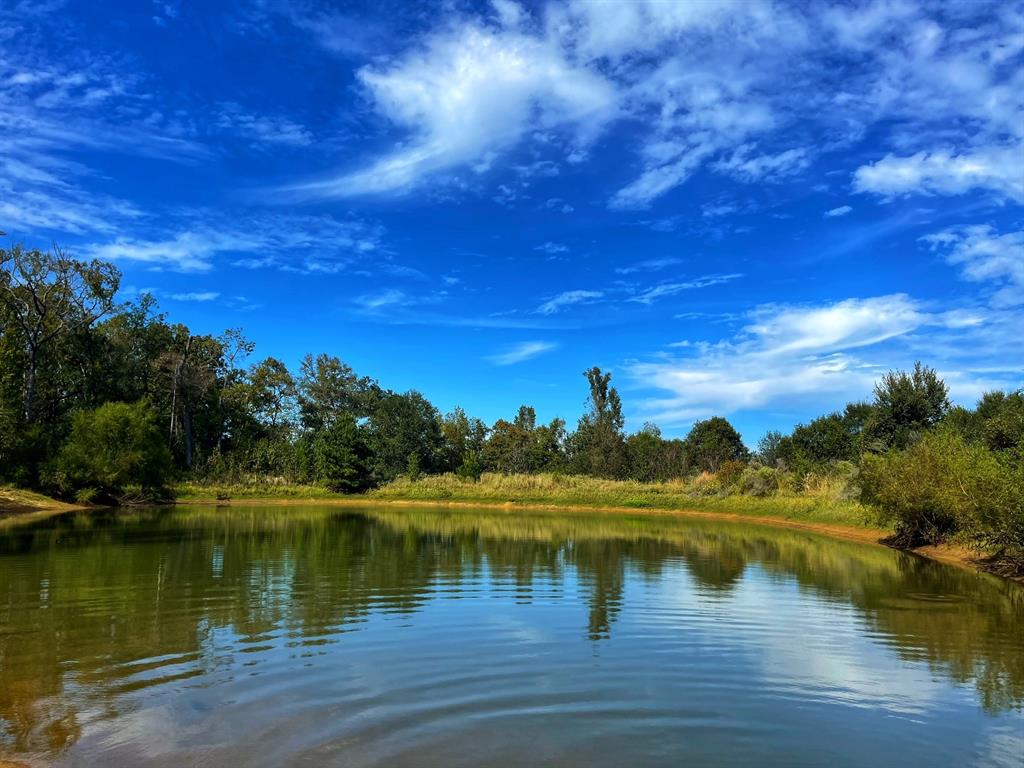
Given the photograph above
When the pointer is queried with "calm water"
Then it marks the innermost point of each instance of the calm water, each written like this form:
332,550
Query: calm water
306,636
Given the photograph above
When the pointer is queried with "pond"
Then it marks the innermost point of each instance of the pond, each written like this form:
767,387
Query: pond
345,636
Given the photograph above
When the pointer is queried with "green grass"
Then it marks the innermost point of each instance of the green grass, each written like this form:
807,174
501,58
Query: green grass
17,501
822,504
210,491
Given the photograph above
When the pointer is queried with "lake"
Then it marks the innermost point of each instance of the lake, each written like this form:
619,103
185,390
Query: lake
345,636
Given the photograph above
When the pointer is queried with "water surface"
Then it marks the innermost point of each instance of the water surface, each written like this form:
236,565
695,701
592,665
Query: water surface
383,637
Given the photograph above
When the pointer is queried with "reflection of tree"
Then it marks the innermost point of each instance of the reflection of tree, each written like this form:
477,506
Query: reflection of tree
84,598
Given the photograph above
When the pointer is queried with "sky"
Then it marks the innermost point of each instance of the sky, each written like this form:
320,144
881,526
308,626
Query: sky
750,209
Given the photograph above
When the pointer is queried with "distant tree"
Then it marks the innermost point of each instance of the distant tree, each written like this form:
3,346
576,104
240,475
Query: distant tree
769,447
272,394
712,442
340,457
112,447
50,301
648,455
464,439
905,405
329,389
402,425
598,446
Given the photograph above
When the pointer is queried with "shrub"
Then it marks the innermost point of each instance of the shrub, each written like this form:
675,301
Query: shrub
938,487
730,472
759,481
339,457
110,448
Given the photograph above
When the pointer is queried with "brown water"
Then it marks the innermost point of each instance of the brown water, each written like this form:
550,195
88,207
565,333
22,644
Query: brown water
318,636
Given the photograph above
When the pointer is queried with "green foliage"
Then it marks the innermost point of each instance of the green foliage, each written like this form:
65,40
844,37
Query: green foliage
339,456
521,445
599,447
713,442
943,485
906,404
400,426
759,481
111,448
471,467
412,469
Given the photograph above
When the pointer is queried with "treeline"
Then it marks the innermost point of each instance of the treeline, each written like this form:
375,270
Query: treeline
99,398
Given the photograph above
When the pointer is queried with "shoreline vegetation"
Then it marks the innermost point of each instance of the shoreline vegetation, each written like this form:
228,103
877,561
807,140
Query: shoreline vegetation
822,513
103,402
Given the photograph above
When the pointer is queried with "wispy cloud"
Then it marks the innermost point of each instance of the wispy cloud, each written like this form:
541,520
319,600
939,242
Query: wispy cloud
940,172
567,299
794,356
295,243
551,248
663,290
842,210
522,352
985,256
649,265
197,296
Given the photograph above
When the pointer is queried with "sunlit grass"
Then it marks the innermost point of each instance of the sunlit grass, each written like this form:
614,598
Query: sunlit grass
821,503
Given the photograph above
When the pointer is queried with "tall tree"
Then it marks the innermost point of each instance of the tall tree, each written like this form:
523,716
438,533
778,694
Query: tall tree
905,405
328,389
713,442
50,299
598,445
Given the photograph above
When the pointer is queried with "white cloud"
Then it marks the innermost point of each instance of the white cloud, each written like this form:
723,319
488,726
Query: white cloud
273,130
551,248
984,255
567,299
522,352
728,87
750,168
810,357
671,289
842,210
186,252
941,172
295,243
466,96
199,296
374,302
649,265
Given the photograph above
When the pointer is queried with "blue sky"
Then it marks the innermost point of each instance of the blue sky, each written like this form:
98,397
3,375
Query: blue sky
741,208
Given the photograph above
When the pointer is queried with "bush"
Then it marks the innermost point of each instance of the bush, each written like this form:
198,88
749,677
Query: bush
939,487
759,481
730,472
111,448
339,457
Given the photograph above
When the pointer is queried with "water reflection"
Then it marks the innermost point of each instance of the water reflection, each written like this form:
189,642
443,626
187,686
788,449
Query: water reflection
103,614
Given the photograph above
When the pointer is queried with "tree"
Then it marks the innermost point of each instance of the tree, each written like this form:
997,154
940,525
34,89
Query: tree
399,426
520,446
329,389
905,405
112,447
272,394
50,299
340,456
770,447
464,440
598,445
712,442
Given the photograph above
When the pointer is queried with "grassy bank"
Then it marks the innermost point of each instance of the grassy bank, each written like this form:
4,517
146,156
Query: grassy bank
821,505
15,501
186,492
